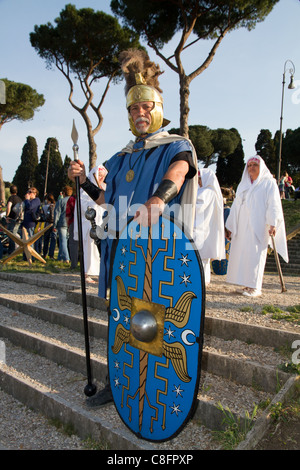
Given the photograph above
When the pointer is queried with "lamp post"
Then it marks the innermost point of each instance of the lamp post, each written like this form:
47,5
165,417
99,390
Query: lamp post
47,168
291,86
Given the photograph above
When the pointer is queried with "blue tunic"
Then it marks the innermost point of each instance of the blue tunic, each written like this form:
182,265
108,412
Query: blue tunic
124,198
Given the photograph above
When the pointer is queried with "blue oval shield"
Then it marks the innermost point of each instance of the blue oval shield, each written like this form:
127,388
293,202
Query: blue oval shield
155,338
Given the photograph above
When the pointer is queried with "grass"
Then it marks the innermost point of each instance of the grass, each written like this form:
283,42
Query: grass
291,210
17,264
284,412
236,428
290,314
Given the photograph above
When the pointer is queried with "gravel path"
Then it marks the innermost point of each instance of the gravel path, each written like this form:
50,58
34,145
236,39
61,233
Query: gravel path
22,428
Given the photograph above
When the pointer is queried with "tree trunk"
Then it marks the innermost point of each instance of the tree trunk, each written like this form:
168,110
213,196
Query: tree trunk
2,187
91,137
92,150
184,105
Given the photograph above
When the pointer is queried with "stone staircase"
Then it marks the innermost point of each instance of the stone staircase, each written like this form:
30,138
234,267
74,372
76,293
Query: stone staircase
293,266
45,369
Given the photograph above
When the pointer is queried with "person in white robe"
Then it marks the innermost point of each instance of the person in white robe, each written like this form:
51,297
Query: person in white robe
209,232
91,254
255,215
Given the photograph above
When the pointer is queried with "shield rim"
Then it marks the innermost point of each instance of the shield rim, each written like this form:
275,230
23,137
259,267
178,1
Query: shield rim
201,332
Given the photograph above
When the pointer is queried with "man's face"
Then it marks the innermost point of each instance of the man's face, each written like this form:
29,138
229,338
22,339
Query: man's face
140,113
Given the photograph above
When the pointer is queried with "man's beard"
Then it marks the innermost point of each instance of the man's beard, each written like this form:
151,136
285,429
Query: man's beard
142,128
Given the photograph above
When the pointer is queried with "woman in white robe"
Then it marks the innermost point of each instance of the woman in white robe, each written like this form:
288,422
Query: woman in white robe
255,215
90,251
208,231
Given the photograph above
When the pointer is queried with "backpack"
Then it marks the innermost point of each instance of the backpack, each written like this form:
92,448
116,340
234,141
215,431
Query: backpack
38,215
19,211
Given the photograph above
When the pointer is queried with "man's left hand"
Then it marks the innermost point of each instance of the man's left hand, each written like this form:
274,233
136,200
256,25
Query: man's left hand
149,213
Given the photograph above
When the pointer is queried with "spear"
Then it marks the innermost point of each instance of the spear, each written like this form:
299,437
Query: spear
90,388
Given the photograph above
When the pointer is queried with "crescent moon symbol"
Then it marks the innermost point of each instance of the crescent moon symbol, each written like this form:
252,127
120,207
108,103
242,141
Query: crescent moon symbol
117,317
184,335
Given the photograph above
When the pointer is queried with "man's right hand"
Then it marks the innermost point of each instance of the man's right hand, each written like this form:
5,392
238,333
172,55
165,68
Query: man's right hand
75,169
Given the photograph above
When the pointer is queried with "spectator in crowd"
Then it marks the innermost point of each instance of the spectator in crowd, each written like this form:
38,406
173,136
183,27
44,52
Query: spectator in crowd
287,185
60,224
31,207
73,244
32,204
281,186
50,235
12,221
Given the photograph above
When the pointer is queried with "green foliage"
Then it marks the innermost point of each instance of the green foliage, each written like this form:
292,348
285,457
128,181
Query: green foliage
268,148
85,42
265,147
51,157
207,18
291,151
25,173
230,167
290,368
278,412
236,427
221,146
21,102
85,45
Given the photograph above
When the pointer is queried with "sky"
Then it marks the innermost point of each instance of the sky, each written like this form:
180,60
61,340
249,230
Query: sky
242,88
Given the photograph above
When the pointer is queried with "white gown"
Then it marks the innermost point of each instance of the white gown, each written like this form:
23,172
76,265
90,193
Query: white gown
208,232
91,255
256,207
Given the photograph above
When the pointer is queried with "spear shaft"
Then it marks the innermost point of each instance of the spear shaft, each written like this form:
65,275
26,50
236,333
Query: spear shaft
90,388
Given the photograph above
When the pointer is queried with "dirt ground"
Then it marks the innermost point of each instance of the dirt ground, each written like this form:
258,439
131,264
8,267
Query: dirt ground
284,435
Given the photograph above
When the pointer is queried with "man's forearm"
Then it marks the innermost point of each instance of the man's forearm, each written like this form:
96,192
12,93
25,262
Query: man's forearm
95,193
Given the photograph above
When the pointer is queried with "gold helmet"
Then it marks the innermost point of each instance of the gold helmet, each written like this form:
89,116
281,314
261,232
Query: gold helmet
142,85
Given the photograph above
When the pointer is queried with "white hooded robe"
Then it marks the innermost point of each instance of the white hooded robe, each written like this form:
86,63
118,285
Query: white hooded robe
90,251
208,231
256,207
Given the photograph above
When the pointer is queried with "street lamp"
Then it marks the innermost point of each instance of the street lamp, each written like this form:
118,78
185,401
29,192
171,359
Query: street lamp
47,168
291,86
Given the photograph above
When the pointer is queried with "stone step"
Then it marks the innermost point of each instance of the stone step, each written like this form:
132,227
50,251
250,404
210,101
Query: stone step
56,392
98,324
66,347
22,325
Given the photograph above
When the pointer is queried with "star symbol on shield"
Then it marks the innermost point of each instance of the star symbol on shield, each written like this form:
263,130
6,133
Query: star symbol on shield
178,390
123,250
117,381
175,409
169,332
122,267
184,259
185,279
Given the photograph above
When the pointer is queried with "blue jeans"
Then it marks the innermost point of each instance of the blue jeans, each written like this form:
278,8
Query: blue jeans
63,252
12,226
49,239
